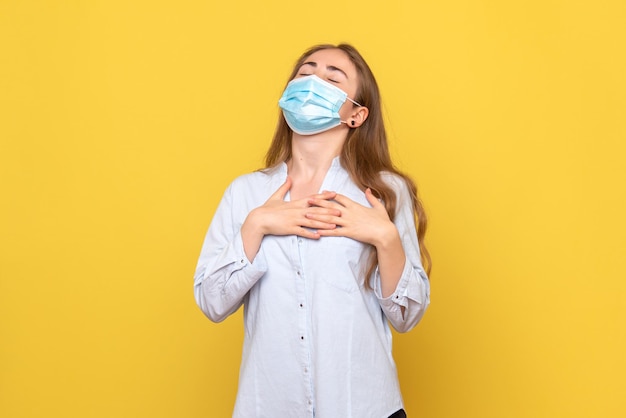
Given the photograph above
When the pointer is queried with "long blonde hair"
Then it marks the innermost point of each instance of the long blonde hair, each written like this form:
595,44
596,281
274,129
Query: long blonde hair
365,154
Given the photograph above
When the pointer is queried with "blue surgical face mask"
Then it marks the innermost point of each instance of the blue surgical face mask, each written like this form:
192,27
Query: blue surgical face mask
311,105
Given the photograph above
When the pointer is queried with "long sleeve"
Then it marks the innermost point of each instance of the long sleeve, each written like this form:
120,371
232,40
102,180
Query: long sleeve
224,275
413,290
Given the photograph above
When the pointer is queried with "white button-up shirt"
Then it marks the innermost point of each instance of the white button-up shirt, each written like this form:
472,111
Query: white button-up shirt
317,341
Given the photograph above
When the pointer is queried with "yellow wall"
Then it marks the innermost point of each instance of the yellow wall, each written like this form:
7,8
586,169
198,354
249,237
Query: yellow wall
122,122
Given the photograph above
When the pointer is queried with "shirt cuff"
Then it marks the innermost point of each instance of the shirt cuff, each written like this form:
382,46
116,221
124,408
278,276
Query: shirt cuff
234,259
258,265
409,287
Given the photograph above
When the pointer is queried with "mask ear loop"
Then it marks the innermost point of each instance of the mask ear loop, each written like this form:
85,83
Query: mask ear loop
356,103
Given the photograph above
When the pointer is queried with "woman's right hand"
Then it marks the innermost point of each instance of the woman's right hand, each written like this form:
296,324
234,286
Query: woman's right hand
277,217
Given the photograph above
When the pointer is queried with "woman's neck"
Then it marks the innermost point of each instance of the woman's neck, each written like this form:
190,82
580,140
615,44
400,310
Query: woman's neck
311,157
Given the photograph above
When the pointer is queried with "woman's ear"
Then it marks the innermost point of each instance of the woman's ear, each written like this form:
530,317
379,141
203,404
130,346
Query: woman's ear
358,117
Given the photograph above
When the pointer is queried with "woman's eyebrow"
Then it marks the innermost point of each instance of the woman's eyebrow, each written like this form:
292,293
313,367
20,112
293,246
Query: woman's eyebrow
333,68
328,67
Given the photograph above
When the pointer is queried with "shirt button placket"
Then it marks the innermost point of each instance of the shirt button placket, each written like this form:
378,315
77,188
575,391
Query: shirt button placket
305,355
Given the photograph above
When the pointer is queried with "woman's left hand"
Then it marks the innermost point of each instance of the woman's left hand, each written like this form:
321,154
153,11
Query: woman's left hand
368,225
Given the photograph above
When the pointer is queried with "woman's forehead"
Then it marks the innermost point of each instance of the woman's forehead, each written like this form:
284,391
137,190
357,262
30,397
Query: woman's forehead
331,57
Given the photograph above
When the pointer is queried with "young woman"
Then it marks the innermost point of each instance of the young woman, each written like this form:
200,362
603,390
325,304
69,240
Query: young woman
322,250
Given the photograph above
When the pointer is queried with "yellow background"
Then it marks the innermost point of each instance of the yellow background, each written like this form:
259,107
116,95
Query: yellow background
121,123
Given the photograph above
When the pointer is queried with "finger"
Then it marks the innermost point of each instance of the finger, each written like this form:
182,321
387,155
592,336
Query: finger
324,207
307,233
318,225
304,202
326,195
281,192
336,232
327,219
372,199
343,200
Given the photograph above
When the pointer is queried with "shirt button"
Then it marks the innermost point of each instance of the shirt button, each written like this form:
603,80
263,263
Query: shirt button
298,273
301,305
302,337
